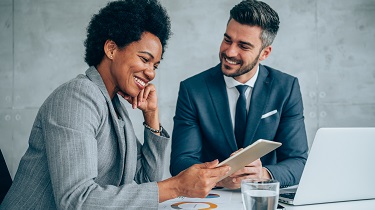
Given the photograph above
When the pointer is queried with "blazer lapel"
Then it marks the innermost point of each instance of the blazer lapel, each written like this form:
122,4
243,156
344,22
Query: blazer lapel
95,77
129,142
218,93
258,103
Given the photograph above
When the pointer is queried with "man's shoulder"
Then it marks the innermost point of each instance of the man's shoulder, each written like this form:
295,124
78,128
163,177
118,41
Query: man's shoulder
278,74
200,77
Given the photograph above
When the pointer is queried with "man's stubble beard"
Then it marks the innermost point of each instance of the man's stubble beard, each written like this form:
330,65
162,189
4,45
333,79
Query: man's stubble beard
242,70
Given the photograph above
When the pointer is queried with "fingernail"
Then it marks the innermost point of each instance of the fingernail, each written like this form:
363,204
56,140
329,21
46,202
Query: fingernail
234,180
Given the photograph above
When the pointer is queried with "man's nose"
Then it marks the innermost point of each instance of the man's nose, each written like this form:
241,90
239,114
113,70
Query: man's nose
231,51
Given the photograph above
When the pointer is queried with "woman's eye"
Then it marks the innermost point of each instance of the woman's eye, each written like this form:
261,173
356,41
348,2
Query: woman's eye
144,59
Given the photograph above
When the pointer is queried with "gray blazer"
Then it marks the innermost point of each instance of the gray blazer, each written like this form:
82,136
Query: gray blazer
82,156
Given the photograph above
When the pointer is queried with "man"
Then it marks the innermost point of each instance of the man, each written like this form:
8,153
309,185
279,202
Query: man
208,123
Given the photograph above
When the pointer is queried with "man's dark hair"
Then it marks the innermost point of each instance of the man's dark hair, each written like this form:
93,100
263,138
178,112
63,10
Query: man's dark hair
124,22
257,13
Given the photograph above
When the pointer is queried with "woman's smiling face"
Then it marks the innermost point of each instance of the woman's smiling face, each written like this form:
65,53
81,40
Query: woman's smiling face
133,66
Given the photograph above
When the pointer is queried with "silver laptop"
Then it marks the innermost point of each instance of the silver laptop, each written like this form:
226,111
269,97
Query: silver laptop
340,167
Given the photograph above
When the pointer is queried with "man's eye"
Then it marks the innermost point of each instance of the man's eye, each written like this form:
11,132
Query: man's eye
244,47
156,67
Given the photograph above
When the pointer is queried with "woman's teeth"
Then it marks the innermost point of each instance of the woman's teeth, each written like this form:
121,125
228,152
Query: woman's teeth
139,81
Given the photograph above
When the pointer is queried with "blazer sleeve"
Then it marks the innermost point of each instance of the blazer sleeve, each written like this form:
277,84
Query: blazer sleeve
151,156
186,135
70,121
292,155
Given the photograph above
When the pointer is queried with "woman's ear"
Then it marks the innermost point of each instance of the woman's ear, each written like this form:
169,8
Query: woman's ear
109,48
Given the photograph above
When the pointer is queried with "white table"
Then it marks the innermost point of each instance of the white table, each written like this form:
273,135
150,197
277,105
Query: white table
347,205
231,200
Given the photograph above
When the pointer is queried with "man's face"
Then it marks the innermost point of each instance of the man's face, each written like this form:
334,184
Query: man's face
240,51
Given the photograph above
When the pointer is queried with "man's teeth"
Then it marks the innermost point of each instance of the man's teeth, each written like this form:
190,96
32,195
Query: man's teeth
231,62
139,81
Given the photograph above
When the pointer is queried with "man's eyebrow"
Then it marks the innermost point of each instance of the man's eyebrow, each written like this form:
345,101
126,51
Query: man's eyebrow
241,42
247,43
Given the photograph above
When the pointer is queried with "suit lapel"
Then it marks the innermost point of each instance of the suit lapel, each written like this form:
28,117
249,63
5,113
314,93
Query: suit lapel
258,103
219,96
95,77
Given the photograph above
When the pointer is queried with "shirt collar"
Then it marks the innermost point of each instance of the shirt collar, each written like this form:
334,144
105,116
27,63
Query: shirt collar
231,82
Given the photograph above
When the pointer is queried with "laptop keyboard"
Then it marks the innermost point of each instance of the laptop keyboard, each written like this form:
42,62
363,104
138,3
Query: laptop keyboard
289,195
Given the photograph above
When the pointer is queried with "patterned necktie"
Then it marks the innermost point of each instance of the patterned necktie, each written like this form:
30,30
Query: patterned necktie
240,118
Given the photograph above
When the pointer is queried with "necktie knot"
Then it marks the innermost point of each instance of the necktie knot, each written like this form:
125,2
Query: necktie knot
241,89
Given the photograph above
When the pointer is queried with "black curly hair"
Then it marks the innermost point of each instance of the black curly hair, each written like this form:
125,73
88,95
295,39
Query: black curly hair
124,22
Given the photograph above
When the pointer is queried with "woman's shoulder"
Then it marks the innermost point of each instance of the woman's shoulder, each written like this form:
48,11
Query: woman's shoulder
80,91
81,85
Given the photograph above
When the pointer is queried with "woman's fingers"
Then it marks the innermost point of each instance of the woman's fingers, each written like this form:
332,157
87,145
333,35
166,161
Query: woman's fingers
140,97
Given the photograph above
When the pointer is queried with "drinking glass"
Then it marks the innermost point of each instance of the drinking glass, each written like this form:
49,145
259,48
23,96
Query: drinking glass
260,194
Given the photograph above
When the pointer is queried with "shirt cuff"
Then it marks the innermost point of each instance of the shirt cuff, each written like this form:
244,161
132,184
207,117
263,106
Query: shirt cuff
269,172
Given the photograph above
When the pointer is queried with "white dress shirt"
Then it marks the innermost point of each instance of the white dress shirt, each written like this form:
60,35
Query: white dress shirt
233,93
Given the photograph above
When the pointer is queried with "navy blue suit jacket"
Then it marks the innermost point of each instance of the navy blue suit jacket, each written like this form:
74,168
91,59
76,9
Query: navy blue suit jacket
203,128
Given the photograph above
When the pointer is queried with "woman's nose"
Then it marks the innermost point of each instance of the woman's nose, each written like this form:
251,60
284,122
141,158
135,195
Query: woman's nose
150,72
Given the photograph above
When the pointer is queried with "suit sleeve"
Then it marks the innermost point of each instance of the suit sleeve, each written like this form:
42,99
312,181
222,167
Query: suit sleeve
186,135
292,155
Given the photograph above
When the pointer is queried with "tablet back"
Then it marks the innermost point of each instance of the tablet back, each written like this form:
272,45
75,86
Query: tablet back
249,154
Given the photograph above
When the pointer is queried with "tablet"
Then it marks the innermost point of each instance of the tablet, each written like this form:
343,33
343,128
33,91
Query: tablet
248,155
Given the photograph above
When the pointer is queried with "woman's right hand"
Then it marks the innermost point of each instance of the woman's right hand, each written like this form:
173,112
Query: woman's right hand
196,181
146,101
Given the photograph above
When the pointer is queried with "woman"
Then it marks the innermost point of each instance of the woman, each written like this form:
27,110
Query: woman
83,153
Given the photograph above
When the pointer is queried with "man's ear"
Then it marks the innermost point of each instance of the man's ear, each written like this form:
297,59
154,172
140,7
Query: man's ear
265,53
109,48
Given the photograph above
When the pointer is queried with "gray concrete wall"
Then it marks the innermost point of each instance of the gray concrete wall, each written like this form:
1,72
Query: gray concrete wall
328,44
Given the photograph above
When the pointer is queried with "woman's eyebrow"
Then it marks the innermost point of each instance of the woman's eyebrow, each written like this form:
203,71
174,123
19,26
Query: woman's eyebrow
148,53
